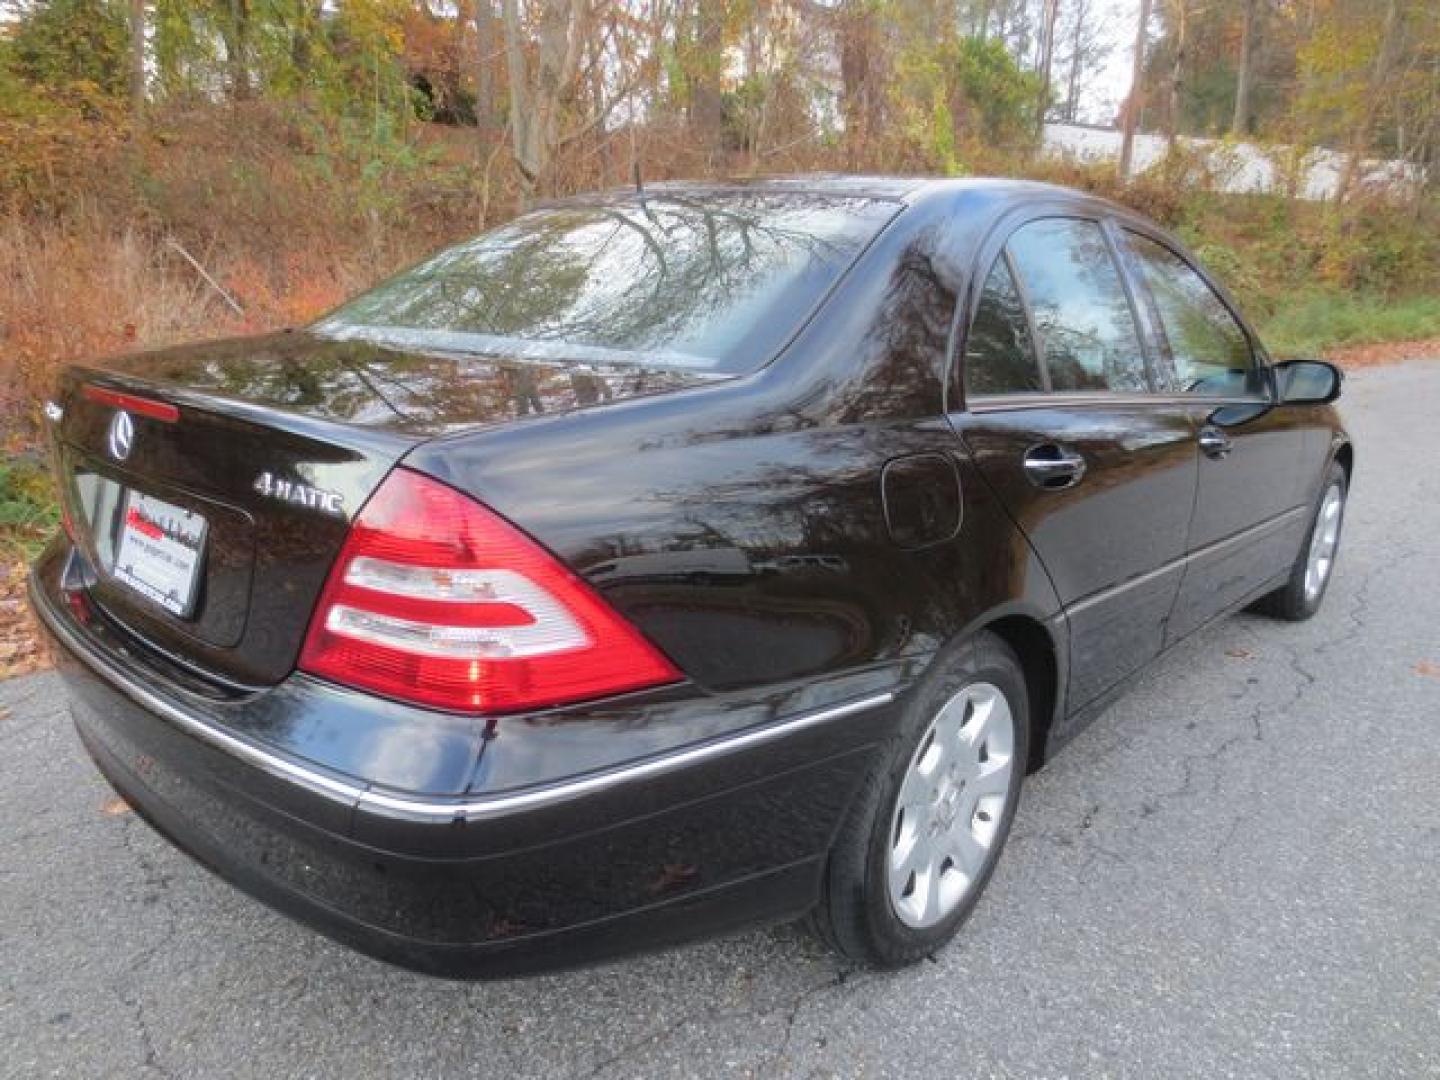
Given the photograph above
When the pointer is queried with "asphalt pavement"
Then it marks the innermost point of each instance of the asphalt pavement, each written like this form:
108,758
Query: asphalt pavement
1234,872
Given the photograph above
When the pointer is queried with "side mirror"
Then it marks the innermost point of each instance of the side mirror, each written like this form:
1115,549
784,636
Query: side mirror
1307,382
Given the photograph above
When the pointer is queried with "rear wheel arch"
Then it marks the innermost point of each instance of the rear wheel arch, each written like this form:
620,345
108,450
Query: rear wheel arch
1038,653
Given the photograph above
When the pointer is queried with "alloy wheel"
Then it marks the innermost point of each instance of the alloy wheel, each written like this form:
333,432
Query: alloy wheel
951,803
1323,541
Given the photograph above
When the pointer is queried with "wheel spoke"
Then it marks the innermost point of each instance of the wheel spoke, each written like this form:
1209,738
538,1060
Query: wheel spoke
933,761
978,727
917,790
992,779
965,850
917,858
935,906
989,733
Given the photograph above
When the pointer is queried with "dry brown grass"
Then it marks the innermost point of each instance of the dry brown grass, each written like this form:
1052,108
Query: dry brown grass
289,213
69,292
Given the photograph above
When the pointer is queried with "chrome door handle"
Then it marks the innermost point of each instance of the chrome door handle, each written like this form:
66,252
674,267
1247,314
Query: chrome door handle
1053,467
1214,442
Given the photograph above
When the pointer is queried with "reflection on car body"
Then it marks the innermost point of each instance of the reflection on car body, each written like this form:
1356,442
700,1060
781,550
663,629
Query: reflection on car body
712,555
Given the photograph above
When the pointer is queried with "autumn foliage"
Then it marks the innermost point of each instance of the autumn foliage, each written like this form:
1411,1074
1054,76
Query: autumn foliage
171,171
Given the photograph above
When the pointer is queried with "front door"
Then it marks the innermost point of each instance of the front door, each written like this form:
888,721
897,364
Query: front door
1251,505
1061,418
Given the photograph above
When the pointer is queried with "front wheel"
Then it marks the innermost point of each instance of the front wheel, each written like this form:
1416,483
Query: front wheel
927,827
1301,595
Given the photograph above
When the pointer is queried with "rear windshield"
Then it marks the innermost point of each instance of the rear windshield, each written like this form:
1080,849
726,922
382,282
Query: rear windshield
715,284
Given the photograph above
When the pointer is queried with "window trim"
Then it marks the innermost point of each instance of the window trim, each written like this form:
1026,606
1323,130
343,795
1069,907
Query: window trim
1032,330
1084,399
1259,360
1005,228
1148,348
955,372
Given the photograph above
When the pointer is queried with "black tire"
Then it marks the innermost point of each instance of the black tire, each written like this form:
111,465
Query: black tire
1292,601
856,915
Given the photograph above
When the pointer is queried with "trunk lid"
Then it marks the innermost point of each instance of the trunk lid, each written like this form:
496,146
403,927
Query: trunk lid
213,510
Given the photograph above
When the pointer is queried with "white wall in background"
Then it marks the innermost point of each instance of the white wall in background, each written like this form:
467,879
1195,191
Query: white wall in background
1236,167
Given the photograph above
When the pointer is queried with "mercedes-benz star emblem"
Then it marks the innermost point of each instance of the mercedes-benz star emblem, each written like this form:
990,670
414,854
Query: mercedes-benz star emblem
122,436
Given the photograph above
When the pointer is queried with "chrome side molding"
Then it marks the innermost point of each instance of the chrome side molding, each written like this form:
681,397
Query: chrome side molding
421,808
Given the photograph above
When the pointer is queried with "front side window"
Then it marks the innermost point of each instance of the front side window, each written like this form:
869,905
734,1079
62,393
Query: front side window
999,356
1210,352
714,284
1082,316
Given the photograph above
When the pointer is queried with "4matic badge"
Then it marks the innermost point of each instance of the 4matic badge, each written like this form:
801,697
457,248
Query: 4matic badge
272,487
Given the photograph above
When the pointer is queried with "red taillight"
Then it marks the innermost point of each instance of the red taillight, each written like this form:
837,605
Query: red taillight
436,600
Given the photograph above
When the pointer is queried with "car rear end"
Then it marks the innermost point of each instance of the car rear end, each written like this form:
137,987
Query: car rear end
291,652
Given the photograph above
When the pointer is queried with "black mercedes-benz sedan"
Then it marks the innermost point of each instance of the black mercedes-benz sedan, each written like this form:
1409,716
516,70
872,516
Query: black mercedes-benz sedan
672,559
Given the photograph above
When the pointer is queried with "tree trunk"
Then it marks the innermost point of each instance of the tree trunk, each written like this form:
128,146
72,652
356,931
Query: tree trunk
1177,73
522,116
1377,92
1137,91
485,75
137,62
1049,15
540,91
705,100
1240,123
236,36
1077,56
859,98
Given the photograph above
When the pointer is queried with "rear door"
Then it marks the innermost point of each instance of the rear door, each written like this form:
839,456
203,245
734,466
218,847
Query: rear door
1249,507
1060,413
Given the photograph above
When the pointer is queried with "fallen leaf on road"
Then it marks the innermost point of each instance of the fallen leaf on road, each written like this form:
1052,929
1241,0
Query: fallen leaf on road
20,648
1429,670
1390,352
115,807
1240,654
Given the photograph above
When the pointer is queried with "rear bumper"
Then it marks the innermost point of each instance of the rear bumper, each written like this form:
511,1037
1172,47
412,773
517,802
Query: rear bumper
691,842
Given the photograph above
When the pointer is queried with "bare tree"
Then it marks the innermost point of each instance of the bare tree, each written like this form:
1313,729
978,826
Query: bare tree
1049,15
540,88
1087,49
1240,123
137,61
235,33
705,98
861,95
484,74
1177,70
1137,91
1377,93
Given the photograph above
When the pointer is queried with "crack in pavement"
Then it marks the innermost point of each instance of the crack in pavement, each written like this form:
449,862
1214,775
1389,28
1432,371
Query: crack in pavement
842,977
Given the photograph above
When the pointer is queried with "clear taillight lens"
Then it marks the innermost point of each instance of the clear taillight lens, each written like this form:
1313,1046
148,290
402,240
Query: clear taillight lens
436,600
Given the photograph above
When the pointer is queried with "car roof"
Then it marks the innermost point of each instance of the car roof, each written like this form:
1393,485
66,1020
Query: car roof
975,193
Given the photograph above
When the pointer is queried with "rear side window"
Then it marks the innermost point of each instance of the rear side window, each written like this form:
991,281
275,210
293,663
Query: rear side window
1082,315
999,356
1210,352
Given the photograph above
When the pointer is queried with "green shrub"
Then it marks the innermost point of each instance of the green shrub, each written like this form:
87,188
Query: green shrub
28,512
1313,322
